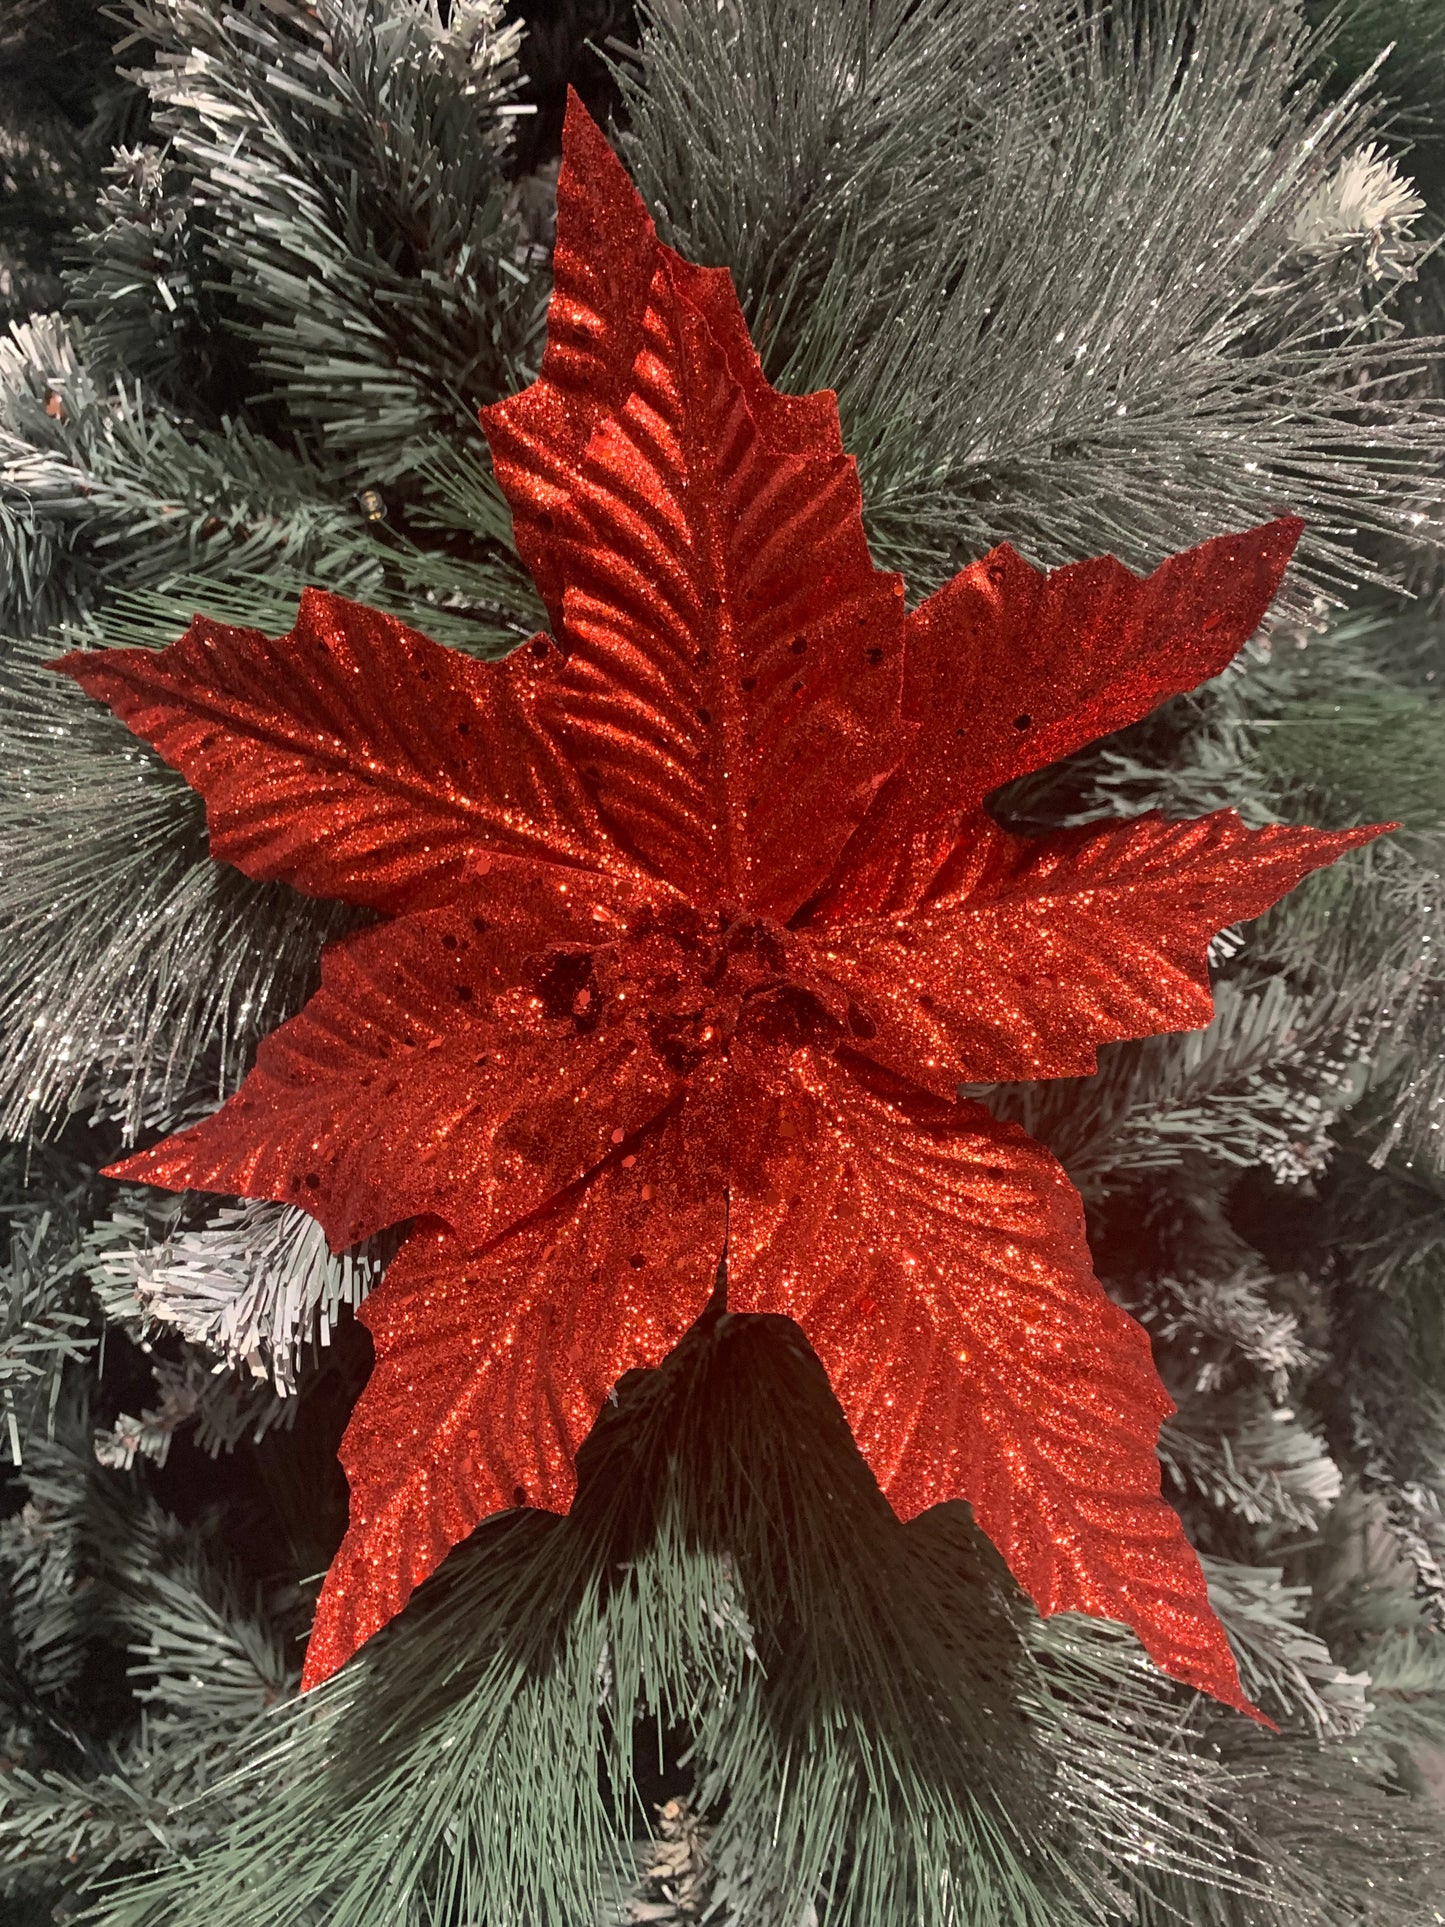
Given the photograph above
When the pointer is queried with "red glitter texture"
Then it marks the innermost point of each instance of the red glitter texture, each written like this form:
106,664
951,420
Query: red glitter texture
692,925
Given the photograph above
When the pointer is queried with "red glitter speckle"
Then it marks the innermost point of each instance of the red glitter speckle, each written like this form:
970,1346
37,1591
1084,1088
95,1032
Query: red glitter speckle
801,933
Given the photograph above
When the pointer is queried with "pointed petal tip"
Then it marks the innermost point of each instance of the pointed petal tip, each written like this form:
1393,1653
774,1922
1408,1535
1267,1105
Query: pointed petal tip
586,151
1337,843
1289,529
1235,1698
321,1664
342,1624
1277,538
1221,1686
139,1168
1211,1669
1215,1676
1274,544
576,120
88,667
312,598
1225,1687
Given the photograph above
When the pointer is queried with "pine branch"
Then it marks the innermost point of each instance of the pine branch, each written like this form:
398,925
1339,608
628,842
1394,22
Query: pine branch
1413,32
338,167
1257,1462
99,486
51,1612
255,1283
47,1322
205,1669
1289,1669
1034,258
61,104
803,1692
1407,1686
140,283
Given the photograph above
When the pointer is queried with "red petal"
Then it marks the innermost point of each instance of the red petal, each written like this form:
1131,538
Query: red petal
937,1261
404,1090
602,269
1009,668
802,424
1034,953
490,1370
603,265
734,667
354,758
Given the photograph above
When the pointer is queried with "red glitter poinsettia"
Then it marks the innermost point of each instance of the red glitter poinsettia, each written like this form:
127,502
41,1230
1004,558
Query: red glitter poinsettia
692,924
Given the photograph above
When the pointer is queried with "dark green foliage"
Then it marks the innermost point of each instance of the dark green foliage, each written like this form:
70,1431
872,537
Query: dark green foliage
869,1714
47,1321
62,108
353,236
102,487
1414,33
1379,753
115,1609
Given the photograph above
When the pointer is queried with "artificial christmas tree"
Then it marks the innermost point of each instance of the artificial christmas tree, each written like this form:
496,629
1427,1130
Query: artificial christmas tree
1084,281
